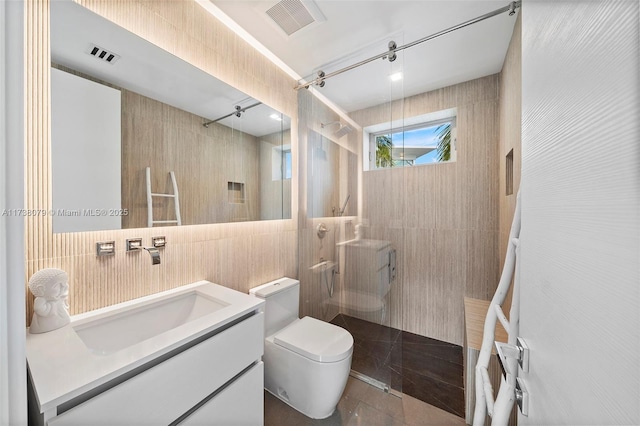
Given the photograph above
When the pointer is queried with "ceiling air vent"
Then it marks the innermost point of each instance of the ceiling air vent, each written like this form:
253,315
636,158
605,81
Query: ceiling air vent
102,54
293,15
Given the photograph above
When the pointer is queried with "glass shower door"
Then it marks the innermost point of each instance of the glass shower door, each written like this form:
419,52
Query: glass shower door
369,285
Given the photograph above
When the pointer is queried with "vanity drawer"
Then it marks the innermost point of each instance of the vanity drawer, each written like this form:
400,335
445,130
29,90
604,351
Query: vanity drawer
241,403
163,393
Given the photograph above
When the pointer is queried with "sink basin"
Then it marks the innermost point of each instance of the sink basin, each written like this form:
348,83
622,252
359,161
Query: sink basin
121,330
99,346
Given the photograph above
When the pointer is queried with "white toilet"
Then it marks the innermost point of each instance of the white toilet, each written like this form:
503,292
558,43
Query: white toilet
306,361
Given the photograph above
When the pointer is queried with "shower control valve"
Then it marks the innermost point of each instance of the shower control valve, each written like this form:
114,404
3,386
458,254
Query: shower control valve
321,230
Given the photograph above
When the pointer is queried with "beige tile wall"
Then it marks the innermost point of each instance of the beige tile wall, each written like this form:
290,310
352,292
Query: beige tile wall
510,129
442,218
236,255
314,295
204,160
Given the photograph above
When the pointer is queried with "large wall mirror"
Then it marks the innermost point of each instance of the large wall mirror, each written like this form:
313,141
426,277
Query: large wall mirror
133,125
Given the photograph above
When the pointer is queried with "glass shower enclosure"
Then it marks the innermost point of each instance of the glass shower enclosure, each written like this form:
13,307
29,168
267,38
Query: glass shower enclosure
348,263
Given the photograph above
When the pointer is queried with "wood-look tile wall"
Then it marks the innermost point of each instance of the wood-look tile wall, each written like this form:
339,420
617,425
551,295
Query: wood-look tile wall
314,293
238,255
441,218
510,131
204,160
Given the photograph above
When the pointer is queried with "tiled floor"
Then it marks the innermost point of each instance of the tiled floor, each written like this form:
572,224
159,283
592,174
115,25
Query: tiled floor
426,369
365,405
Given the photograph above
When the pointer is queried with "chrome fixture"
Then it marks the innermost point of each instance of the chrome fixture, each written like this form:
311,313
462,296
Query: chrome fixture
321,230
342,130
392,51
135,244
106,248
159,242
238,113
341,210
155,255
519,351
522,396
344,206
392,48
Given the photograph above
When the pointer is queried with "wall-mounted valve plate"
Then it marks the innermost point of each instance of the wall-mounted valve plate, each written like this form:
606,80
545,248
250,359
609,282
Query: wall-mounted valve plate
134,244
106,248
522,397
159,242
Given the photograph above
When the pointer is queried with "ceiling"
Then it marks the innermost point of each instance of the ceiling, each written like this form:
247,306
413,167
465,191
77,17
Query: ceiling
349,31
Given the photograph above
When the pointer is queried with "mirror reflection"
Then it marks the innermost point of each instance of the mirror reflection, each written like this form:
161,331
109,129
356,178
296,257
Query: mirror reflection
141,138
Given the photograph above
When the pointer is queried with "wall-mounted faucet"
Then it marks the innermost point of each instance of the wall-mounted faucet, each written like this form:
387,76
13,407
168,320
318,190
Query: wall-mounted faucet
135,244
155,255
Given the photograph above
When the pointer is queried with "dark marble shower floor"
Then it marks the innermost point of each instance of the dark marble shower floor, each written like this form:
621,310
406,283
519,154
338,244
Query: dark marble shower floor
426,369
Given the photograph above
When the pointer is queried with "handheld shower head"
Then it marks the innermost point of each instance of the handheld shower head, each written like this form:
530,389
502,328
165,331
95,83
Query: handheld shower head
344,206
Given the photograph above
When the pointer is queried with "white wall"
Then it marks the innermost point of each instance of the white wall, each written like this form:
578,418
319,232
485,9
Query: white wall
13,394
85,154
580,276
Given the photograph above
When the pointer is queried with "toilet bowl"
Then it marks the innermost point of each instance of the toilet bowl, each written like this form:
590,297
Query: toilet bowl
306,361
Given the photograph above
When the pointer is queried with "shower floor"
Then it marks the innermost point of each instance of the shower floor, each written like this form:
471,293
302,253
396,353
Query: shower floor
426,369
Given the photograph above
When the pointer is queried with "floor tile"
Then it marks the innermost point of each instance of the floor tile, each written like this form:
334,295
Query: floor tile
366,415
425,368
435,348
276,412
434,392
363,404
355,389
417,413
384,402
427,365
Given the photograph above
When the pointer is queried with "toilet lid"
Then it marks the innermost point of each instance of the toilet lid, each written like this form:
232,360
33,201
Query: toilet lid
316,340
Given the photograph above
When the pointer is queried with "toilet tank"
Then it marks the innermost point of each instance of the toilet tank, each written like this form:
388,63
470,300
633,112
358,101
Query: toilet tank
282,298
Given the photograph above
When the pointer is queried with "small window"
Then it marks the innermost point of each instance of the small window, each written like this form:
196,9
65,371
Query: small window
281,163
287,164
423,143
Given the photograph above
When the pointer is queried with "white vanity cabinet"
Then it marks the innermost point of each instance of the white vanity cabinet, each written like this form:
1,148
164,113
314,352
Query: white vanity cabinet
215,378
242,403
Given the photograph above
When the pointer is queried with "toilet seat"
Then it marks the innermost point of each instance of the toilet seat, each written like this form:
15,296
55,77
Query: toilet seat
317,340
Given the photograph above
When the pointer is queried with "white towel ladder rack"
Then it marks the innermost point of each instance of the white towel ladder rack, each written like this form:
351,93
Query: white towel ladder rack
500,409
150,195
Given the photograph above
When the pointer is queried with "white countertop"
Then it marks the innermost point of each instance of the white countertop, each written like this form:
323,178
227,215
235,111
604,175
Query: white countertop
62,367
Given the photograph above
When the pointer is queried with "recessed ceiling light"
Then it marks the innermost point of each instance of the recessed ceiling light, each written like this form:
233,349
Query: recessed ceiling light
396,76
276,117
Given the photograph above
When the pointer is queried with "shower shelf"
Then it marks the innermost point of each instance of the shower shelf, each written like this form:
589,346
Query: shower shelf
322,266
